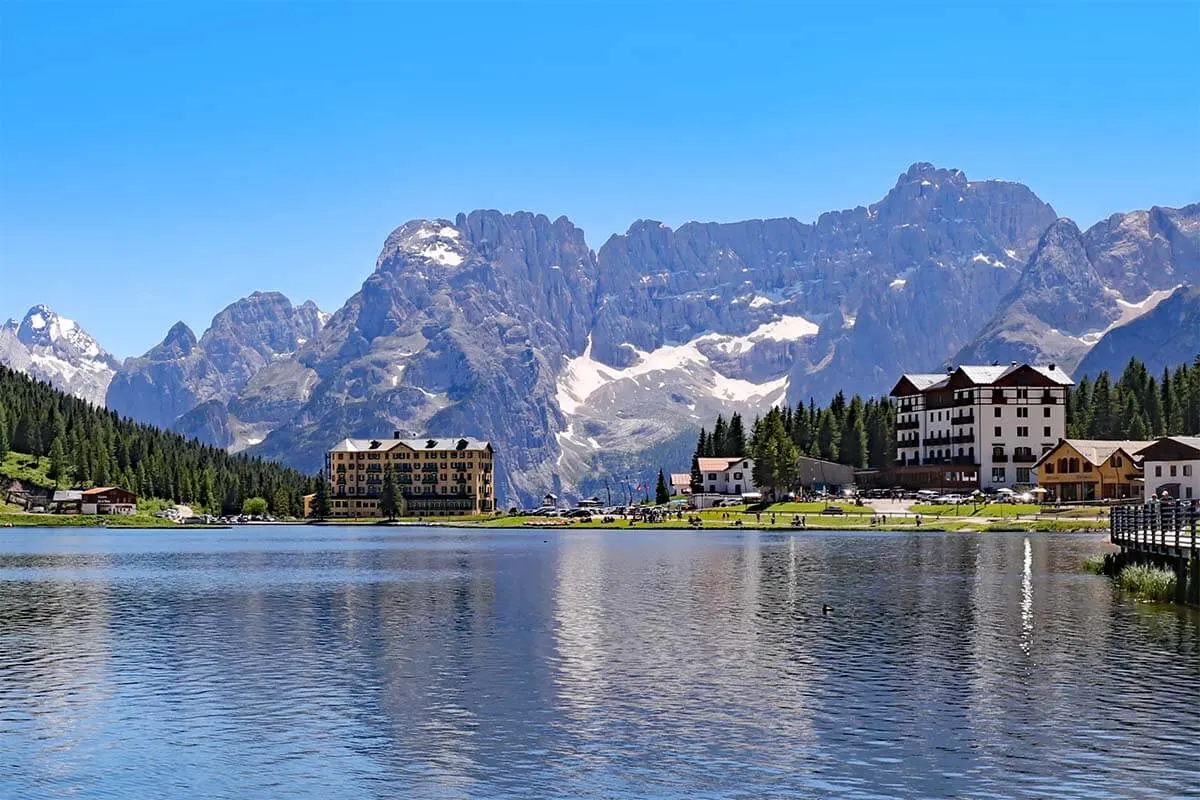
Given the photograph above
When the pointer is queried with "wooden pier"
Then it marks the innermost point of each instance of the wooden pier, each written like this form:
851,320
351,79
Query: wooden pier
1164,534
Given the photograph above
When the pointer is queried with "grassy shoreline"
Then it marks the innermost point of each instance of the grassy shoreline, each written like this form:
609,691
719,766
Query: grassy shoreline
14,521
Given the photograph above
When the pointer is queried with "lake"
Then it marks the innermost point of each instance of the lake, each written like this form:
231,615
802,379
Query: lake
367,662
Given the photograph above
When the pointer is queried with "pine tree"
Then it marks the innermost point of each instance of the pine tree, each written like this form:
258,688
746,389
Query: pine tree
852,444
58,462
281,503
389,503
697,476
718,443
702,444
879,437
735,437
826,436
1100,414
662,495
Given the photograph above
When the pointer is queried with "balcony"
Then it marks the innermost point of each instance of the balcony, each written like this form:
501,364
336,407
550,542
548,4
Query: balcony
908,426
936,440
964,401
963,419
964,439
1024,458
999,458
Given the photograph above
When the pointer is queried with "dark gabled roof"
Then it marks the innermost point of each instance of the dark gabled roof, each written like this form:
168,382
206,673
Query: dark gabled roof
1172,448
911,383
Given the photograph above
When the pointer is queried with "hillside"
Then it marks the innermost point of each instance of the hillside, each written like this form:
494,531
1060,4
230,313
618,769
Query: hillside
69,442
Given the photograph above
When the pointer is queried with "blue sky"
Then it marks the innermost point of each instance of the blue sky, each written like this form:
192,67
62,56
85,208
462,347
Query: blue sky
158,161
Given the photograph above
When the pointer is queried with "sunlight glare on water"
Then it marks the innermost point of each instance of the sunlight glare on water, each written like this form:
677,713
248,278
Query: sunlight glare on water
372,662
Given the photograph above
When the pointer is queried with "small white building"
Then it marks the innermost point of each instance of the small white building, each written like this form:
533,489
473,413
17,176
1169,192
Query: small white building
1172,465
725,479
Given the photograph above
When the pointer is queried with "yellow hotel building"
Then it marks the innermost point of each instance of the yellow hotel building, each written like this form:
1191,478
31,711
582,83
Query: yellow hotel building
434,477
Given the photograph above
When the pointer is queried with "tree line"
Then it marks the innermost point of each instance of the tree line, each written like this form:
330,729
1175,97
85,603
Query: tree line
858,433
89,446
1137,406
861,433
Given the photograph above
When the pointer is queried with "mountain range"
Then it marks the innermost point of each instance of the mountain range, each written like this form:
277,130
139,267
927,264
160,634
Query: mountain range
582,365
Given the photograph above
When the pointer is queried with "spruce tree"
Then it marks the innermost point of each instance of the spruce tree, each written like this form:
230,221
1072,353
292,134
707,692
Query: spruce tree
389,504
702,444
826,436
281,503
58,462
3,433
320,504
662,495
852,445
718,444
697,476
735,437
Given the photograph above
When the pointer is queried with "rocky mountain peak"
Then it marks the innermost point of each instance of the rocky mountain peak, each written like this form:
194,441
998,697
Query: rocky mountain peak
43,327
434,242
55,349
178,343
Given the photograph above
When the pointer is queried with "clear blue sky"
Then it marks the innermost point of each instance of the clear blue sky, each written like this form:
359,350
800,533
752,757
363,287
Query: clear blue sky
158,161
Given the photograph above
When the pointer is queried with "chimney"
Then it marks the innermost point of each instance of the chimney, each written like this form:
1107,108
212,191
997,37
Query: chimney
1053,367
1012,363
396,434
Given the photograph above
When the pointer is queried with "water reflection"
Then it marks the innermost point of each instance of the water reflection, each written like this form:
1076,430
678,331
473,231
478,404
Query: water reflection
346,663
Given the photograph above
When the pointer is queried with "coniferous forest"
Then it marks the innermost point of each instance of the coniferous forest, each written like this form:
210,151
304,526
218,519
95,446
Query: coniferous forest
88,446
861,433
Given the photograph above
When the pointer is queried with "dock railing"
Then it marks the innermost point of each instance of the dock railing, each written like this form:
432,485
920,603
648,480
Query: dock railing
1157,526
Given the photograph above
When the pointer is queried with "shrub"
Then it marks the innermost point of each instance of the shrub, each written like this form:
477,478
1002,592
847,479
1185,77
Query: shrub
1148,583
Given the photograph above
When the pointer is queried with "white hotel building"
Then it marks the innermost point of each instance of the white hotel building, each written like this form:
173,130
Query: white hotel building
978,427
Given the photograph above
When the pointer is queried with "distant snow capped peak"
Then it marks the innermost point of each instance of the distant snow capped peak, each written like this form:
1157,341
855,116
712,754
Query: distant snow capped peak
434,240
57,350
43,327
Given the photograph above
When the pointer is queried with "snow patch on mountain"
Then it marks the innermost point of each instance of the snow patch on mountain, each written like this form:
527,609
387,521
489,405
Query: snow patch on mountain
584,375
1129,311
59,351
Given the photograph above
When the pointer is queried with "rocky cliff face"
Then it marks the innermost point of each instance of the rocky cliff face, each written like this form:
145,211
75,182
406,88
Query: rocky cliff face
57,350
183,372
1165,336
580,365
1080,285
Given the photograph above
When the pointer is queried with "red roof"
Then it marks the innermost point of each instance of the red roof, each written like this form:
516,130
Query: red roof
103,489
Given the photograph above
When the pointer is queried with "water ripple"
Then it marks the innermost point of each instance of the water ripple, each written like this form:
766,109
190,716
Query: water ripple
343,662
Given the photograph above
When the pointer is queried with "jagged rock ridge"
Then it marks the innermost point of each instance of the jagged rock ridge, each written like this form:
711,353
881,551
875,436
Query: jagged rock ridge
57,350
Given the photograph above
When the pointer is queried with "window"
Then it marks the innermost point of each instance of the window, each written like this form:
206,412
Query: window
712,488
1023,394
712,476
1046,431
1087,466
1046,412
1023,412
1187,470
737,476
1022,474
1158,471
998,474
1022,430
996,412
1172,470
1048,467
997,429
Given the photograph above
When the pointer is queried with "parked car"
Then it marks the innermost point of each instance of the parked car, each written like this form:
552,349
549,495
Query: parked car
834,510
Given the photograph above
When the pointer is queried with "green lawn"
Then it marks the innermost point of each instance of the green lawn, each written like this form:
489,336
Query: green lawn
18,466
968,510
22,520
